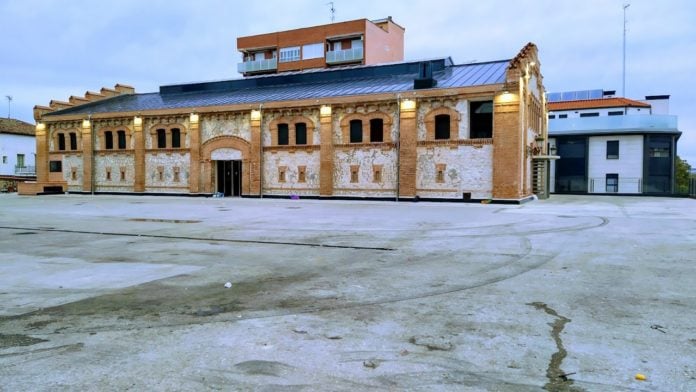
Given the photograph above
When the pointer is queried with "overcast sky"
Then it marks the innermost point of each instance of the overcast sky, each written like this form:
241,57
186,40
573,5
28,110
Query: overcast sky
54,49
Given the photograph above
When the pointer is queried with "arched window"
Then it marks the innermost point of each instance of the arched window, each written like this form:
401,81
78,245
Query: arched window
442,127
121,139
283,135
61,141
176,138
161,138
376,130
108,140
356,131
301,133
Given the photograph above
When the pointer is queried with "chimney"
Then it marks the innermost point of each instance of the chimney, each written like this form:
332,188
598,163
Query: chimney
659,104
425,76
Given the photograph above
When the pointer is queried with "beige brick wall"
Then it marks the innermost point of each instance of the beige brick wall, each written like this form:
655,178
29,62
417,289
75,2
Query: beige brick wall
468,169
365,159
153,161
291,161
225,124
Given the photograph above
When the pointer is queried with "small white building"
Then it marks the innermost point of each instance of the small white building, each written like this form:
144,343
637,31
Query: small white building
17,153
610,144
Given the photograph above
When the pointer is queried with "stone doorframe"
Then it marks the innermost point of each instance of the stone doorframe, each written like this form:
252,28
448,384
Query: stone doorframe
207,170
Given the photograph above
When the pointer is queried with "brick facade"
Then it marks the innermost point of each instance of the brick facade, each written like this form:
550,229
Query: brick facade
408,162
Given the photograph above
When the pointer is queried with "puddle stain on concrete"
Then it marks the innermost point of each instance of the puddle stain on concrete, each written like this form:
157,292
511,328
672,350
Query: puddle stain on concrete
17,340
558,380
165,301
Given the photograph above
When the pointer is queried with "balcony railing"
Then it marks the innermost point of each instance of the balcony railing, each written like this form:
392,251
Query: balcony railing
344,56
647,122
624,185
25,170
257,65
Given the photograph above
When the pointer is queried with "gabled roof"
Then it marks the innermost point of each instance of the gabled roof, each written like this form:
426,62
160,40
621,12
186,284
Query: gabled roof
349,81
16,127
596,104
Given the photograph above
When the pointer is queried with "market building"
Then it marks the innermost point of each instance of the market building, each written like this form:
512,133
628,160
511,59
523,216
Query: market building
302,123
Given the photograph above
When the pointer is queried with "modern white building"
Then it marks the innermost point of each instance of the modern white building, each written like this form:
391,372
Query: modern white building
611,144
17,152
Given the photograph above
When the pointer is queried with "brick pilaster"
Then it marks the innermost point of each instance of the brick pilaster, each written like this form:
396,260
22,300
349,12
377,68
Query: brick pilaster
87,153
326,156
508,147
41,153
255,158
194,153
408,135
139,184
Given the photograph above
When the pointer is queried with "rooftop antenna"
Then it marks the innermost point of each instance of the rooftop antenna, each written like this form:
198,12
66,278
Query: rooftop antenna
332,10
623,91
9,100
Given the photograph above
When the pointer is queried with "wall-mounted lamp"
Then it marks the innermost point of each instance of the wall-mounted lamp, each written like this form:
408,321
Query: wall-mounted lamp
137,121
40,126
85,124
256,115
193,118
552,149
408,105
325,110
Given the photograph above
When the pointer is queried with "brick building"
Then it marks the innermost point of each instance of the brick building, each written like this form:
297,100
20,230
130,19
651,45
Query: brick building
313,127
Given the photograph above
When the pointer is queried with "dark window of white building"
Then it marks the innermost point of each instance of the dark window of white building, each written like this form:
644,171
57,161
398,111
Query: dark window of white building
612,149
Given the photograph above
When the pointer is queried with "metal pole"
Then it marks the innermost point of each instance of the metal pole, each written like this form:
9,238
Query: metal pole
623,90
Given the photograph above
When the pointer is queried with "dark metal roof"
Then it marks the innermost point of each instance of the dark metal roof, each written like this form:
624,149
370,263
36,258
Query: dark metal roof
348,81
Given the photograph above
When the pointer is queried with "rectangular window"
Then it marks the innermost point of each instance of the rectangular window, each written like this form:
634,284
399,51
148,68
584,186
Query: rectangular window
301,173
612,149
376,130
552,116
612,182
300,133
659,152
281,173
161,138
61,142
617,113
160,173
442,127
108,174
354,169
176,174
4,159
283,135
481,119
55,166
123,174
440,173
377,173
73,173
176,138
108,140
73,141
593,114
20,160
121,140
313,51
562,116
289,54
356,131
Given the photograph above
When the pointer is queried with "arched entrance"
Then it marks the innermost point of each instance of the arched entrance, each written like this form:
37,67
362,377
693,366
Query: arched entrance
225,166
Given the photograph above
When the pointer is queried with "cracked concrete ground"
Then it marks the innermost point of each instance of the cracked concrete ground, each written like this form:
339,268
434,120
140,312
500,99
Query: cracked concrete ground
574,293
